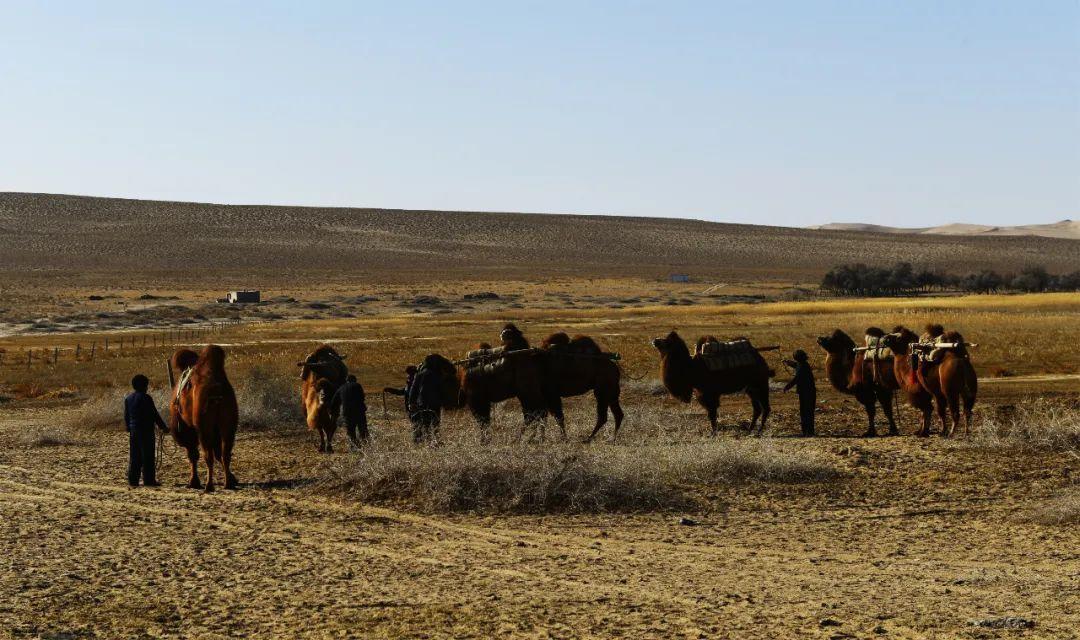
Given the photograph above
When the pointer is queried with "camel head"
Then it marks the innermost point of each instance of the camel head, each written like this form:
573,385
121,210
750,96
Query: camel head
676,366
512,337
671,345
900,339
451,379
839,343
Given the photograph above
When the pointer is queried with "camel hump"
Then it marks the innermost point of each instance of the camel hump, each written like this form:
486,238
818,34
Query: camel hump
875,332
212,358
560,338
183,359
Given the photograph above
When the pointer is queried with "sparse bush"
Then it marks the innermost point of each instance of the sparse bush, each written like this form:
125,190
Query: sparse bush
462,474
42,436
106,411
1064,510
1039,425
268,400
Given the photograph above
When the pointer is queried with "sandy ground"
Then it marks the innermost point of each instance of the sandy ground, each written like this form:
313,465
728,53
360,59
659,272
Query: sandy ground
924,538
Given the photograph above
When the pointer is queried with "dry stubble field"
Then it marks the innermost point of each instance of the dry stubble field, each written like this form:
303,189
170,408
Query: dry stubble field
836,537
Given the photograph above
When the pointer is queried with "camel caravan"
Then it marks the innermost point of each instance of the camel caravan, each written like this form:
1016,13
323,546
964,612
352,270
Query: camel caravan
932,370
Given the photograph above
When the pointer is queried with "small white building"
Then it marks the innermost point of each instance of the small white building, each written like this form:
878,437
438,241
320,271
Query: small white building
248,295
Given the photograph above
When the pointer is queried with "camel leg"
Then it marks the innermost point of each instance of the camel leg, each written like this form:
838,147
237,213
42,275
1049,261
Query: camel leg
193,460
617,413
871,413
601,415
755,405
712,408
208,453
885,397
926,407
322,440
942,409
226,462
969,405
954,412
766,409
555,407
482,414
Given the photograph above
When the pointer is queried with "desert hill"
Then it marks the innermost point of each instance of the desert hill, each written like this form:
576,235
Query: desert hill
77,235
1069,229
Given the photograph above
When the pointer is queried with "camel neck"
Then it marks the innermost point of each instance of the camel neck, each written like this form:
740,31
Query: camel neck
838,371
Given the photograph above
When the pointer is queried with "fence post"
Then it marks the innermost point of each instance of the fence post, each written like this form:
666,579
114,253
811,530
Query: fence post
93,348
78,350
106,344
55,354
29,355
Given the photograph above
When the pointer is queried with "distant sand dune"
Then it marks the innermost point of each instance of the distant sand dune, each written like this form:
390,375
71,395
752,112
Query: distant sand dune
78,235
1067,229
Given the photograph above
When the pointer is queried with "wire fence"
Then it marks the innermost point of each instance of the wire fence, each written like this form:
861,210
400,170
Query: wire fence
111,346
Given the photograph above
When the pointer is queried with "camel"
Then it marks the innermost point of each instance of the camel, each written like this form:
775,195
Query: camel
516,376
687,376
869,382
203,412
322,372
952,380
572,367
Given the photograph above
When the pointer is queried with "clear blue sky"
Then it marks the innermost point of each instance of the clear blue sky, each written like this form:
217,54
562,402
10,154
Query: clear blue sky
790,113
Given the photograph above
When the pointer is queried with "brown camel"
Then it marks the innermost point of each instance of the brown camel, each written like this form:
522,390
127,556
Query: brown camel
322,372
951,380
572,367
901,380
869,382
687,376
514,376
203,412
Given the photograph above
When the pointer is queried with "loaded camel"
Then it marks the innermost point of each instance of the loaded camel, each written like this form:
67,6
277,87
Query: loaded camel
322,372
484,382
203,412
574,366
869,382
687,376
951,380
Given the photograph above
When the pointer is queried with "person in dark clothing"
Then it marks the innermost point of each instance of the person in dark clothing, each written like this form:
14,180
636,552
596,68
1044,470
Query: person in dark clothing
425,402
140,418
807,390
349,399
410,375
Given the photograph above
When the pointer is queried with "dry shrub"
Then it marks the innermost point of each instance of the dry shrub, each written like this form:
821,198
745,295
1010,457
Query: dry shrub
41,436
461,474
1038,425
1064,510
268,400
106,411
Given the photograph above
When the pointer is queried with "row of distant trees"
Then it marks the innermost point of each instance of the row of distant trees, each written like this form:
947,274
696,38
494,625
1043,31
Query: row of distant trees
904,279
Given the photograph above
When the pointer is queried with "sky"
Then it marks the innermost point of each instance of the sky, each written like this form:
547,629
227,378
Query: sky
785,113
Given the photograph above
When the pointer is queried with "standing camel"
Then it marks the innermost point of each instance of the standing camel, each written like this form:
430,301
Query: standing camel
851,374
322,372
572,367
902,380
952,380
203,412
687,376
487,381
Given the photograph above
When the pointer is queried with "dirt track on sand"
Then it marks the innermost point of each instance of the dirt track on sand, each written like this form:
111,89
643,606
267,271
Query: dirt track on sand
922,540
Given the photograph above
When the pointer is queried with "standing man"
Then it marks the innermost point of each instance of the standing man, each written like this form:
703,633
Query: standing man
410,375
350,400
140,418
425,401
807,390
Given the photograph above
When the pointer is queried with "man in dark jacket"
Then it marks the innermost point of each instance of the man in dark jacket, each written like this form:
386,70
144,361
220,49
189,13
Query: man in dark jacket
807,390
425,402
410,375
350,400
140,417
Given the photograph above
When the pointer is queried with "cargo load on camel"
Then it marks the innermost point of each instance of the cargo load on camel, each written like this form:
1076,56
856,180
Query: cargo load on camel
721,356
935,349
875,348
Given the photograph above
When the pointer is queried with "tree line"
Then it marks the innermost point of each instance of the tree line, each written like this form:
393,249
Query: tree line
904,279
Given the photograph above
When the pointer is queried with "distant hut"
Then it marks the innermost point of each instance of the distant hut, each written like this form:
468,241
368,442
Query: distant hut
238,297
679,277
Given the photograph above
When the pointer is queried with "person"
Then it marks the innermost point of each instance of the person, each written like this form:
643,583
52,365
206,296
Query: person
425,401
140,418
805,387
349,399
410,375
